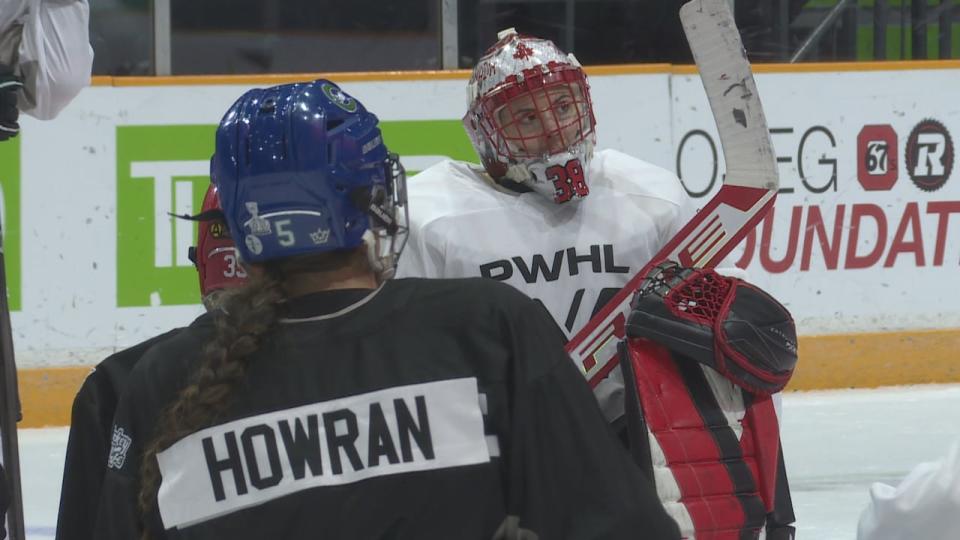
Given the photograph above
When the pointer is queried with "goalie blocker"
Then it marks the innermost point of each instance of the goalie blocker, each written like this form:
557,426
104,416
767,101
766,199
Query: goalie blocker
705,353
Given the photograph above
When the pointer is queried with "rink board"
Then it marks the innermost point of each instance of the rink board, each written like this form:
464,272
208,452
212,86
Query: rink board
863,246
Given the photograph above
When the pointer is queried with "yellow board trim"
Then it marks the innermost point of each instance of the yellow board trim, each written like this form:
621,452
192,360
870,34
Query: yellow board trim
464,74
835,67
46,394
826,362
877,359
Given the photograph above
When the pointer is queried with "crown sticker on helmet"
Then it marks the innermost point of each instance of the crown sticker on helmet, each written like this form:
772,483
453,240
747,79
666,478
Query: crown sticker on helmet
321,236
338,98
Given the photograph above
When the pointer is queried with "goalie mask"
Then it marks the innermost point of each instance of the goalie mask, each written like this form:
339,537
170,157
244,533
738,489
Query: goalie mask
725,323
530,117
215,255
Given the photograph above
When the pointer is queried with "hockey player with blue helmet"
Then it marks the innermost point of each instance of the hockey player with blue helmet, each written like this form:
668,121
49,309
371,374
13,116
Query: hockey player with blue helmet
298,179
326,399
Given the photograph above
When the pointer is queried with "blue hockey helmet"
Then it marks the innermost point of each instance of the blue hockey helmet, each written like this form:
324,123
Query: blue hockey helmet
302,168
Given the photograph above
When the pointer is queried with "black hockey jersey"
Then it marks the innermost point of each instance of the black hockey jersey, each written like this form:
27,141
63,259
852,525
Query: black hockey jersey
89,441
4,503
425,409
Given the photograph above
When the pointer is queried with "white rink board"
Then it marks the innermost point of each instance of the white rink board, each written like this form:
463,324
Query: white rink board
91,182
815,120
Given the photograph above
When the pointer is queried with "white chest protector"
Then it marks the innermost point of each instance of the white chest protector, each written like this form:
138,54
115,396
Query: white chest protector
572,258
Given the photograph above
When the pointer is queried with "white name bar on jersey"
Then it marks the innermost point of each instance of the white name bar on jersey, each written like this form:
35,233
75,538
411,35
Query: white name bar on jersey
250,461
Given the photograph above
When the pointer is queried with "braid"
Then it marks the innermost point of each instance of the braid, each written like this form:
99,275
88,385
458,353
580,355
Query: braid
249,313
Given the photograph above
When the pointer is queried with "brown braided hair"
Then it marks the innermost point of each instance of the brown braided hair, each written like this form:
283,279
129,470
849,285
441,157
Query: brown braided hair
249,314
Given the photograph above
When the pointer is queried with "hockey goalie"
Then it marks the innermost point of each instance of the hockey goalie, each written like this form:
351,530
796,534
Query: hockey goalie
706,353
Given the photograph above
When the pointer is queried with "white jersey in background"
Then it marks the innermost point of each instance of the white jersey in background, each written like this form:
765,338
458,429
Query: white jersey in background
47,43
925,505
572,257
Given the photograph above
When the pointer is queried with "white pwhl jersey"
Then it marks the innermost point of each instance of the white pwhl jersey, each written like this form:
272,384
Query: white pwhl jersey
925,505
572,257
48,44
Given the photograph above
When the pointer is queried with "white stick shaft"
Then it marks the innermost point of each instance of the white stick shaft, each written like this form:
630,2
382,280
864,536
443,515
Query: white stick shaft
728,81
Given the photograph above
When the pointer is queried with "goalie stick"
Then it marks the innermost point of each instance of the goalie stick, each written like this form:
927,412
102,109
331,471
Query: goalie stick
9,414
748,191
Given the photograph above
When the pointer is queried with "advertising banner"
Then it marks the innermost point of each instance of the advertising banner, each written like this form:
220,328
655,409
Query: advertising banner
863,236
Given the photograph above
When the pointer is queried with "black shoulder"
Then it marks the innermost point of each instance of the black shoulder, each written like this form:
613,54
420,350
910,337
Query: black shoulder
474,291
205,320
491,310
187,343
167,364
118,365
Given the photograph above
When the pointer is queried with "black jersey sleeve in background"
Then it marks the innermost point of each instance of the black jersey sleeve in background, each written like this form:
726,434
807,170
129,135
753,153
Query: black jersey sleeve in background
88,445
4,502
568,475
117,516
155,380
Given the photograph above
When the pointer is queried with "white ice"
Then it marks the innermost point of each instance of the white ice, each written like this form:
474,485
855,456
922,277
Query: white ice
836,444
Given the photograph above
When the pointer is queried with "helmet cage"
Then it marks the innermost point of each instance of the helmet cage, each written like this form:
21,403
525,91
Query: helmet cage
389,218
501,145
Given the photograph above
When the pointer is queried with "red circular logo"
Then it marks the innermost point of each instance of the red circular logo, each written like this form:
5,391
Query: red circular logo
877,163
929,155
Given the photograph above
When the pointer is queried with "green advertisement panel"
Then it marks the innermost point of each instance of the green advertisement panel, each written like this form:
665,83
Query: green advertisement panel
160,170
428,138
164,169
10,191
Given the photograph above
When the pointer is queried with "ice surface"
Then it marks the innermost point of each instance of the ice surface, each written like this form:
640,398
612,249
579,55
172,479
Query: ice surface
836,443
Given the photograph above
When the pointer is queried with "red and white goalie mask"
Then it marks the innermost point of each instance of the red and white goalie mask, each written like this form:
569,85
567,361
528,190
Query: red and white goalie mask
216,256
530,116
